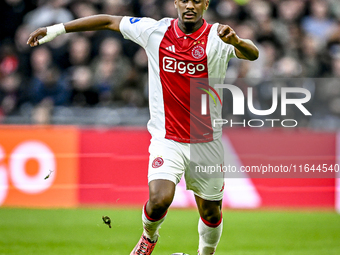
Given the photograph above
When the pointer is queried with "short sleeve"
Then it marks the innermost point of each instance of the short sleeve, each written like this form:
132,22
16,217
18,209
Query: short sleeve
226,51
137,30
230,49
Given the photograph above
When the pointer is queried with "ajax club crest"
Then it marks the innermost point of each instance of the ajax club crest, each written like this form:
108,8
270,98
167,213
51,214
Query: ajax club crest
197,52
157,162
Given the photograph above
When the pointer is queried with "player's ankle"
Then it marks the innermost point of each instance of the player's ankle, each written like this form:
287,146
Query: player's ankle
151,239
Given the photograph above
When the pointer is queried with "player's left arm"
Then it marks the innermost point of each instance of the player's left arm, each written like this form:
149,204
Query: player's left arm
244,48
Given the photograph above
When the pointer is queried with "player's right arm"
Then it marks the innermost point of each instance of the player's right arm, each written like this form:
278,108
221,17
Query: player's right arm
91,23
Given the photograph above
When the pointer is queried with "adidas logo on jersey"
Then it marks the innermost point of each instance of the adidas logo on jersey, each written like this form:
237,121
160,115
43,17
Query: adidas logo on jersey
171,48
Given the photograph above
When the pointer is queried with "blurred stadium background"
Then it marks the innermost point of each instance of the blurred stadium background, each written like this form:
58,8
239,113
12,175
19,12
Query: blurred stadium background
78,106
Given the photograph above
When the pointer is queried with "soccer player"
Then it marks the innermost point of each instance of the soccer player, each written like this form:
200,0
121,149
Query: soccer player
179,50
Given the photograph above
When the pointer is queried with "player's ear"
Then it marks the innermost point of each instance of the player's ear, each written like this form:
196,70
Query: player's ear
206,4
175,3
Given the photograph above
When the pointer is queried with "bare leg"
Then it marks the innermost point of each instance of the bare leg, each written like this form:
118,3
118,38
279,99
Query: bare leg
161,194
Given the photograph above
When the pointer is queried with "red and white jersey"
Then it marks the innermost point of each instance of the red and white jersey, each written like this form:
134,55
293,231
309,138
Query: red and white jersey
174,58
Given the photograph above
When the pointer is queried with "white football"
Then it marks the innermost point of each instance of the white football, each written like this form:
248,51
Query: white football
179,254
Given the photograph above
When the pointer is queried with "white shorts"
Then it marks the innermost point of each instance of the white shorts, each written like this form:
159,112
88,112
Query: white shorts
201,164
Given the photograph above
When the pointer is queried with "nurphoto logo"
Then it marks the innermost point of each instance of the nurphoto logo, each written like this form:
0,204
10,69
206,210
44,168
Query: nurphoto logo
239,105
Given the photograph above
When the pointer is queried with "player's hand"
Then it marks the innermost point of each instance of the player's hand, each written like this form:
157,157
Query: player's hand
228,35
36,35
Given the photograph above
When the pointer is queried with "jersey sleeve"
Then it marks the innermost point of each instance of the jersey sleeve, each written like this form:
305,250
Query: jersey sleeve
227,51
230,51
137,30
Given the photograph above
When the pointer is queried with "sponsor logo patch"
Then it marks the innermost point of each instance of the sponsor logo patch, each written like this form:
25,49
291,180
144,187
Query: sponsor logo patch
157,162
134,20
172,65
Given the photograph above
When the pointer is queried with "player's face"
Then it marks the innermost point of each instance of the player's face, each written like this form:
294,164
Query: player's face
191,11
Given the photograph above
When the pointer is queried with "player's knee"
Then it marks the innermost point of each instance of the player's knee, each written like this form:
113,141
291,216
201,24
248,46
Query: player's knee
159,202
211,215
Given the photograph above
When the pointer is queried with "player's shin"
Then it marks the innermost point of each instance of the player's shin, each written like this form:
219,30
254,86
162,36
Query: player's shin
209,236
151,226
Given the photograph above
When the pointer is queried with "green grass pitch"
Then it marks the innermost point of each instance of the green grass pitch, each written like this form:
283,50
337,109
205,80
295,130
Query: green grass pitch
81,231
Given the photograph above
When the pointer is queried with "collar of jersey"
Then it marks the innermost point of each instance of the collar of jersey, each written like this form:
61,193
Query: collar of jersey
194,35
